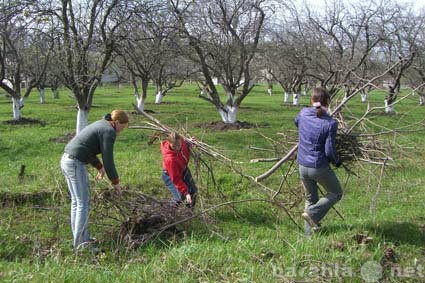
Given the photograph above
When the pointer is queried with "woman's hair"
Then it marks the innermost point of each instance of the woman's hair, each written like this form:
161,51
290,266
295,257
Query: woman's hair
117,115
319,99
173,137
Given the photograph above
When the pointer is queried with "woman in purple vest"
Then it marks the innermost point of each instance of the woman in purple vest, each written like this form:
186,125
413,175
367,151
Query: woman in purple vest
316,149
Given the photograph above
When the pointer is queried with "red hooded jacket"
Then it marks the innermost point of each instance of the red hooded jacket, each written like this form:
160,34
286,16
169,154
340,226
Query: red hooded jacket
175,163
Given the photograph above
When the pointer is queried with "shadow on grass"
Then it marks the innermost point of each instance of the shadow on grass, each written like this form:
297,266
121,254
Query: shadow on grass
395,232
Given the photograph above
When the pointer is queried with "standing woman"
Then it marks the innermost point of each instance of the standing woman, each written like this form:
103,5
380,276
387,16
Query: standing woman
316,149
98,137
176,174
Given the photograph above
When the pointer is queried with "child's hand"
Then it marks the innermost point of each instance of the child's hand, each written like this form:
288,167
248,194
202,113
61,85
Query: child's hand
188,199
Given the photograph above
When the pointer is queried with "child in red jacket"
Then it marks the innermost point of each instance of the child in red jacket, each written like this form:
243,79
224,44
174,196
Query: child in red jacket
176,174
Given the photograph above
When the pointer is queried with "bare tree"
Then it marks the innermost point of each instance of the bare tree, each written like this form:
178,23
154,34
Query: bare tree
223,37
400,45
24,54
89,34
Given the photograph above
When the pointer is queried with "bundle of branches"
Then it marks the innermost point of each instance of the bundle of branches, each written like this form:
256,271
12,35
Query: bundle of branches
352,147
163,130
140,217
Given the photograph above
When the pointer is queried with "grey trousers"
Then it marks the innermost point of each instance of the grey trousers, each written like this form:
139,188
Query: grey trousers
310,177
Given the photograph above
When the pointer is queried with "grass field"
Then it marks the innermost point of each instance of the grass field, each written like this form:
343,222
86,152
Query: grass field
252,241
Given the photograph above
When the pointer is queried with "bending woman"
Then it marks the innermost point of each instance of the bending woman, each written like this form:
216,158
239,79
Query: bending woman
98,137
316,149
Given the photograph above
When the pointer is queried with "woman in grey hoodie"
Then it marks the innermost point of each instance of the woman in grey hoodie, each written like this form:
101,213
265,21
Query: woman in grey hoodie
96,138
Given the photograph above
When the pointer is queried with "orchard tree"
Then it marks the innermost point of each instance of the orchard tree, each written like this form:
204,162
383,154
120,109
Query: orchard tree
223,38
89,35
24,50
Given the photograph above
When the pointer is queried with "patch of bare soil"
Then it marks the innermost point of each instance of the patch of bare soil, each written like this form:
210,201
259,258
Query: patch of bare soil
8,199
221,126
64,139
24,121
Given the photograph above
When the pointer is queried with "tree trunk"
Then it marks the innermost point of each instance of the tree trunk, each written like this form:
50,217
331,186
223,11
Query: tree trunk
389,107
229,117
82,119
296,99
42,96
270,91
159,97
55,93
286,97
140,103
421,100
16,108
363,96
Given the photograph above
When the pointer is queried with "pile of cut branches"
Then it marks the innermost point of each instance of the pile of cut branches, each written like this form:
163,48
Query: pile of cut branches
140,217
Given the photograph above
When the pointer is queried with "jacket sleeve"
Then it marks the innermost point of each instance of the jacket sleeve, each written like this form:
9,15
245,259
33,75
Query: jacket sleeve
297,118
330,144
107,149
176,175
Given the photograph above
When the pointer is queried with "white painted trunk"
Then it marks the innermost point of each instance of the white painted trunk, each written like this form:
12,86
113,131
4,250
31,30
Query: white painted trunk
202,93
296,99
22,101
389,108
42,96
413,93
304,93
230,116
345,96
270,91
120,86
82,120
286,97
140,104
421,100
55,94
159,97
363,96
16,108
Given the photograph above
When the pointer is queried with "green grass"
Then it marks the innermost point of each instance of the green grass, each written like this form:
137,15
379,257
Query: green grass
254,242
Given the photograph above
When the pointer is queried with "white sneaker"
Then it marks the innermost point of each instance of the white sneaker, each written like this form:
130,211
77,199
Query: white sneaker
310,221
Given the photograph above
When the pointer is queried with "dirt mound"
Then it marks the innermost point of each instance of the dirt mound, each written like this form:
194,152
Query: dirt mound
221,126
65,139
25,121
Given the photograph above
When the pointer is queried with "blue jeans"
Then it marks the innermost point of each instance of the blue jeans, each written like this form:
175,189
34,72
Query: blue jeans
187,178
310,177
75,173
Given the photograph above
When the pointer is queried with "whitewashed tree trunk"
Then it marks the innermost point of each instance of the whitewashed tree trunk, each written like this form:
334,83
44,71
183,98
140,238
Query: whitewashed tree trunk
345,96
120,86
16,108
413,93
230,116
363,97
42,96
304,93
55,93
140,103
270,91
286,97
159,97
389,108
421,100
22,102
82,120
296,99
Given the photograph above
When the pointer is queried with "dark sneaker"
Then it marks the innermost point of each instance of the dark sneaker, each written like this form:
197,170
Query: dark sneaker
310,221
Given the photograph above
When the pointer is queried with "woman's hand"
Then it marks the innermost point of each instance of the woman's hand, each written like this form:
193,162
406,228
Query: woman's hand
100,174
118,189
